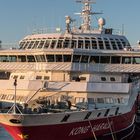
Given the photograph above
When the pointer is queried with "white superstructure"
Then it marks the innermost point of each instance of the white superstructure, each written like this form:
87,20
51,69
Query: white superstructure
83,63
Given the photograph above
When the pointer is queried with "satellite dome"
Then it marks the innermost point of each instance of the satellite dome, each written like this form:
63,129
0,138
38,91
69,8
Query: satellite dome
101,21
138,42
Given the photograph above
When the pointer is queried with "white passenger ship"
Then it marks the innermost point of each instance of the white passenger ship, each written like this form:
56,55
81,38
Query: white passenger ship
75,85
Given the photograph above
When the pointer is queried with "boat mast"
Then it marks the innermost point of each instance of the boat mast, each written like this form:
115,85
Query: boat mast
15,104
86,14
15,107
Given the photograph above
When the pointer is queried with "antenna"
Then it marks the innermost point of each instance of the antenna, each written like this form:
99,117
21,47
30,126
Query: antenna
15,104
122,29
85,1
86,14
68,21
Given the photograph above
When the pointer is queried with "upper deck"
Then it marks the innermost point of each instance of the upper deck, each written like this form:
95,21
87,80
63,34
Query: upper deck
83,41
76,49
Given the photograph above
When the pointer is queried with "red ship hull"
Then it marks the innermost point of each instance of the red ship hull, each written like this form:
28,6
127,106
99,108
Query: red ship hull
121,125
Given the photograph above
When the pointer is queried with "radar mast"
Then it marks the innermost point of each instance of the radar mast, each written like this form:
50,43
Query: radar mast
86,14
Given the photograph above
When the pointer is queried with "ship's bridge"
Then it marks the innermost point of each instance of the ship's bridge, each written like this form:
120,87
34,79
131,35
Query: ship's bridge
93,41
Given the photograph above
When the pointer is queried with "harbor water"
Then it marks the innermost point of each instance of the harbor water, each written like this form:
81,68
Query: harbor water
4,135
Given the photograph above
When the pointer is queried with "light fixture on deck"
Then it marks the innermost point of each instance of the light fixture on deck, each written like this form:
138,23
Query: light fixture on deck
15,107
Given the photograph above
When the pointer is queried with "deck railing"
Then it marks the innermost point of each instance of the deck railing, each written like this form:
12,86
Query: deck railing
125,68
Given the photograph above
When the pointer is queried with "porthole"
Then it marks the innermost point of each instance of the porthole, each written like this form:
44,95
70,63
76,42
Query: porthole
112,79
103,78
22,77
38,77
15,77
15,121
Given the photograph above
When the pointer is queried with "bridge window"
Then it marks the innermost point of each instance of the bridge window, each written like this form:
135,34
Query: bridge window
66,43
94,59
80,44
12,58
41,44
105,59
119,44
21,44
73,43
53,44
100,42
67,58
31,44
113,44
136,60
40,58
60,44
59,58
115,59
50,58
94,43
107,44
126,60
76,58
26,44
35,45
4,58
47,43
87,44
21,58
30,58
84,59
123,42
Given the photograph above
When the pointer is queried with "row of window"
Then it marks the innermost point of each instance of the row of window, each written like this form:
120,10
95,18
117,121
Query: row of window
38,77
78,79
83,43
107,100
11,97
71,58
112,79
